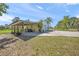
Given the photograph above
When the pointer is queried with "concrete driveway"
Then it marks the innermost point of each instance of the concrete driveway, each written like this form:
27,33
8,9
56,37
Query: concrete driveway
61,33
53,33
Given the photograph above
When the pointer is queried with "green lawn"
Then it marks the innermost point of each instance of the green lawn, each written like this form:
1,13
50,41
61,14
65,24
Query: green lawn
5,31
50,46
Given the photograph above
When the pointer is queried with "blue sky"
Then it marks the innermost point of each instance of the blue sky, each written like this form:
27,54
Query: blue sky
37,11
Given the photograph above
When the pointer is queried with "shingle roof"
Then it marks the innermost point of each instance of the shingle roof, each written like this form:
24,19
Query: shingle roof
24,22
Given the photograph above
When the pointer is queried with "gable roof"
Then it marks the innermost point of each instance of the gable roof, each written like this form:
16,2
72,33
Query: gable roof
23,22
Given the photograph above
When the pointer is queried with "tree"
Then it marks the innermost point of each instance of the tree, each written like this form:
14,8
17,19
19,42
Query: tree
27,20
2,27
66,21
6,26
77,23
40,24
64,24
15,19
73,22
3,8
48,20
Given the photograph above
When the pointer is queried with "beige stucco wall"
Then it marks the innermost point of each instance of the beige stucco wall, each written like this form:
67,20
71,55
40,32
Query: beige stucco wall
34,27
22,28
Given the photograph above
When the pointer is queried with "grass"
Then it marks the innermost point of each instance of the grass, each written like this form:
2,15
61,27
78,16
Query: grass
5,31
50,46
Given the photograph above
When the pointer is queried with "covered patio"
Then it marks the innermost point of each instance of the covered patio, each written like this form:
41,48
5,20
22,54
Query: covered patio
22,26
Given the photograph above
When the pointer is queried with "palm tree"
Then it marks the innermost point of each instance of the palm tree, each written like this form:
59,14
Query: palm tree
77,24
73,22
48,20
3,8
66,21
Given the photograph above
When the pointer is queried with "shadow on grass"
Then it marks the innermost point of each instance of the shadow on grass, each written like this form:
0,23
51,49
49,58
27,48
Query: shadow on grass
24,36
6,41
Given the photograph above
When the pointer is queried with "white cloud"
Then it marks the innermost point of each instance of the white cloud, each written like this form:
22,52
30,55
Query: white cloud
71,3
77,16
25,12
5,18
39,7
32,10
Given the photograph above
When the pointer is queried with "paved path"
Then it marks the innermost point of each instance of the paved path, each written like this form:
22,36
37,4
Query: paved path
54,33
61,33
